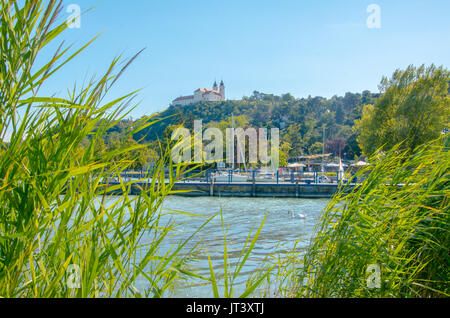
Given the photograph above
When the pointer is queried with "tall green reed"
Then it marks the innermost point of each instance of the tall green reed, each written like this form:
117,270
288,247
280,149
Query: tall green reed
231,273
55,209
397,220
58,207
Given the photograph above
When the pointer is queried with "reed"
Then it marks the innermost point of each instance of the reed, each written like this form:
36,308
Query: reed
230,274
397,219
55,210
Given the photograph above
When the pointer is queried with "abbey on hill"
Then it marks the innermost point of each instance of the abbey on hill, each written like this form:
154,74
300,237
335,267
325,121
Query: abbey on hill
203,95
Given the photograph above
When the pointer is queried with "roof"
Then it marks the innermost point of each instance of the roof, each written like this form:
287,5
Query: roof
183,98
206,90
212,92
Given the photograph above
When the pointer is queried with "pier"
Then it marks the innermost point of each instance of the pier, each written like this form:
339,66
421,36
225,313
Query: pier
280,190
302,185
243,189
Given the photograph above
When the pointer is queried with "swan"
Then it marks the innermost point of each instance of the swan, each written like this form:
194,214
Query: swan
292,214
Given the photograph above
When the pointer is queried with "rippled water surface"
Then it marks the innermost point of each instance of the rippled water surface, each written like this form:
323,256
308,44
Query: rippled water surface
282,229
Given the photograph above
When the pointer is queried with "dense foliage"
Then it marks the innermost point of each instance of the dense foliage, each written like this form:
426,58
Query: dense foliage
397,220
301,121
414,108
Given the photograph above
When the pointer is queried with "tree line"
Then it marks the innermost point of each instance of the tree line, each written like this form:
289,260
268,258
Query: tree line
412,106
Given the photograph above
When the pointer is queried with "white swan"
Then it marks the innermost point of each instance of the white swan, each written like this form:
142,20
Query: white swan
292,214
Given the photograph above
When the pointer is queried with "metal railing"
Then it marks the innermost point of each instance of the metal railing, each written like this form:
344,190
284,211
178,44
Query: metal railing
279,176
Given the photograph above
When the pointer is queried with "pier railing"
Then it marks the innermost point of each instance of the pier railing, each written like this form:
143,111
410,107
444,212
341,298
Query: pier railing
279,176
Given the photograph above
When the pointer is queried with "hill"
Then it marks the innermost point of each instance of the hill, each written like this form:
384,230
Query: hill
301,121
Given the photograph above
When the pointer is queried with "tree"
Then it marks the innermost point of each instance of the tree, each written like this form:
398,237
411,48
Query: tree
294,138
287,98
351,148
366,97
414,108
335,146
283,155
316,148
340,116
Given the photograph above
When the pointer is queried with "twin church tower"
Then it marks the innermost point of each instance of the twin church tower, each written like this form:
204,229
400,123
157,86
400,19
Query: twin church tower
216,94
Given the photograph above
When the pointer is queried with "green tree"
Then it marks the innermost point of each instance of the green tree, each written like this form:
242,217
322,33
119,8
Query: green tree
293,136
283,154
414,108
351,149
340,116
316,148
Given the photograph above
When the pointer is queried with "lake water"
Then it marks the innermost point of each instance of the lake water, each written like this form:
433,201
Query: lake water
279,233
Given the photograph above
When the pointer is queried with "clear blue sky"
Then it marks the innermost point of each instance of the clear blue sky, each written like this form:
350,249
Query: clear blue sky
302,47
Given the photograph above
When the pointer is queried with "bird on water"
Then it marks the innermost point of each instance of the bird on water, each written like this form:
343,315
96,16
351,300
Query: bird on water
300,215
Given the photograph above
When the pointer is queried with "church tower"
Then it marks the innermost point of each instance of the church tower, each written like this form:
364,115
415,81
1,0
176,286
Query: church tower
222,90
215,88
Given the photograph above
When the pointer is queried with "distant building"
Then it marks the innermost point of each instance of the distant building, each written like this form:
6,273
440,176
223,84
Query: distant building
203,95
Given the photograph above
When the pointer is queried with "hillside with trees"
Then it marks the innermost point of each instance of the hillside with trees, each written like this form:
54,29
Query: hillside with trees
301,121
354,124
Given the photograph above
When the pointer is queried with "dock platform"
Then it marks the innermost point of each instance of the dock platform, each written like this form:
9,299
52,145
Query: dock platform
248,189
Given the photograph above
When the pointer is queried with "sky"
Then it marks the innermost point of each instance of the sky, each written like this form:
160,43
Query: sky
317,48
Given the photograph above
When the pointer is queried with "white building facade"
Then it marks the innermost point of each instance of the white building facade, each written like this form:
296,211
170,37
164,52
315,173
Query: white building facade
215,94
